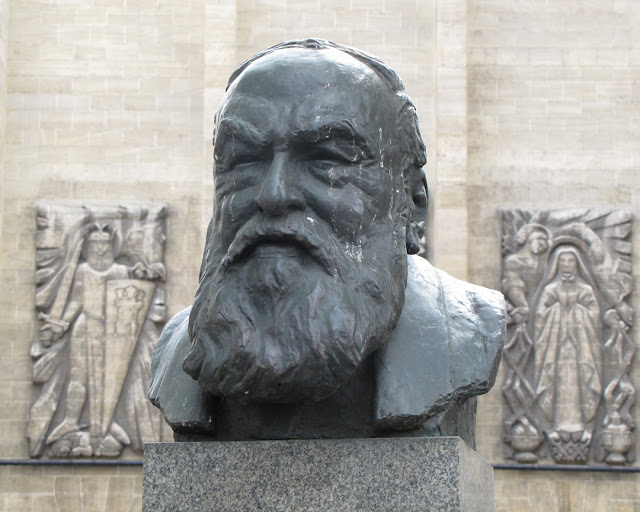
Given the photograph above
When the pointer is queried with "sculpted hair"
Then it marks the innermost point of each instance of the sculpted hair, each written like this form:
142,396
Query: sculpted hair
412,147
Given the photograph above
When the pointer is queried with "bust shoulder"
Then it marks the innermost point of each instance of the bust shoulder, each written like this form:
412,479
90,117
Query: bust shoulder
182,400
445,349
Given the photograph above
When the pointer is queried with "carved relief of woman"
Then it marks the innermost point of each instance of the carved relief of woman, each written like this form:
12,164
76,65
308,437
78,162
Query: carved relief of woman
567,346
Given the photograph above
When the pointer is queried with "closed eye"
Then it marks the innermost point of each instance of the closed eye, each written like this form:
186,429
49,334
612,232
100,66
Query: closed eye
239,156
341,153
324,156
246,160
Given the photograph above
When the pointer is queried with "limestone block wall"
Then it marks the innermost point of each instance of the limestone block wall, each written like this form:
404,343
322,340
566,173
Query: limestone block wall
553,122
4,40
544,491
40,489
104,102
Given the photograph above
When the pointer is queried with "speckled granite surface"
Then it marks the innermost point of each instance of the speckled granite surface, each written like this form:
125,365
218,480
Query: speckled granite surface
394,474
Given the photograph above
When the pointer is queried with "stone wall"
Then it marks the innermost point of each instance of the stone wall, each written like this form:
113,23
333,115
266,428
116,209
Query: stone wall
68,489
554,122
104,102
546,491
4,39
521,105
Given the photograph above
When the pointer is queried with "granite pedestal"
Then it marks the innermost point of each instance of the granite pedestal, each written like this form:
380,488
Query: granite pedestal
395,474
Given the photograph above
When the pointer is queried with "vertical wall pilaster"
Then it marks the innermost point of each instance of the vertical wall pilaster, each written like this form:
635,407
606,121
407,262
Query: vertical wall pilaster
4,50
220,55
449,197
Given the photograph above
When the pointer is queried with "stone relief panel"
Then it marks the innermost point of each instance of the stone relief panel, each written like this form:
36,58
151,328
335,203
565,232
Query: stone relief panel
567,280
100,310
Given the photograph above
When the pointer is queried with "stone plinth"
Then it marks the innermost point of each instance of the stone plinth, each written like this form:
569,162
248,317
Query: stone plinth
394,474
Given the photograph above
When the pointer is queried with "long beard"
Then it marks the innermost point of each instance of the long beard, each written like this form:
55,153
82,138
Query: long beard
285,321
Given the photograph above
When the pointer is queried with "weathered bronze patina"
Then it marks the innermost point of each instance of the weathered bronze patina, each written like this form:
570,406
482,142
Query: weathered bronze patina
314,317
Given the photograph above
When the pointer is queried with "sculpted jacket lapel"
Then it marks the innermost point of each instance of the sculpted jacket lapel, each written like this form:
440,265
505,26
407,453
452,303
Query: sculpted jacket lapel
446,348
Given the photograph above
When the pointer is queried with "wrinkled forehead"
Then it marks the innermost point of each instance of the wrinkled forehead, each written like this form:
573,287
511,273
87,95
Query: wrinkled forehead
308,83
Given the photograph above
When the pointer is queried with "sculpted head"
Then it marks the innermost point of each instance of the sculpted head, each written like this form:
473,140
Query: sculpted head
566,264
319,196
535,236
538,242
99,246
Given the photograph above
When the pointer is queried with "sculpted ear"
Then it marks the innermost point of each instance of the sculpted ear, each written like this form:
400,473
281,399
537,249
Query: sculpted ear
418,200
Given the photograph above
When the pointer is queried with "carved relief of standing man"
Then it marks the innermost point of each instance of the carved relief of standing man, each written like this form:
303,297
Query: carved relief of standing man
101,304
86,311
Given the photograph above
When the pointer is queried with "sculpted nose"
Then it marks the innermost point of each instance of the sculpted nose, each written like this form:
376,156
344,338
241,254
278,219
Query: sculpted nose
280,191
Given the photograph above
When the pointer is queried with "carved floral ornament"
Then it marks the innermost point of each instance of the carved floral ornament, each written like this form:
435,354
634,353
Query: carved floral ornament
99,310
567,279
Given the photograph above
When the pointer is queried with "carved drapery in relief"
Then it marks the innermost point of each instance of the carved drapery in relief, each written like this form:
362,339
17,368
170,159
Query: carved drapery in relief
100,310
567,280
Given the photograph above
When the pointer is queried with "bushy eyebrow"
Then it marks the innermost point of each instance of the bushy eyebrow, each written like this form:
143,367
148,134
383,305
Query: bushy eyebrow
336,131
245,131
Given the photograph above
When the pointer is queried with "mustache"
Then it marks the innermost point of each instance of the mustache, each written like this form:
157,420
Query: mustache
296,228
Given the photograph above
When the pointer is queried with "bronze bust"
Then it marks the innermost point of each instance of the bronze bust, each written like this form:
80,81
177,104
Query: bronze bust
314,316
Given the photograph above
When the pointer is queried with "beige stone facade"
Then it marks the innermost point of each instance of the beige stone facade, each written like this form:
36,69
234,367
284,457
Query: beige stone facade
522,104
